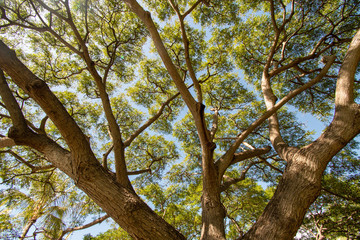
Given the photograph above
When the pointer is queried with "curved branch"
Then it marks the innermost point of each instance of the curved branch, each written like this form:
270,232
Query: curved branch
40,92
231,181
149,122
225,160
147,20
275,136
97,221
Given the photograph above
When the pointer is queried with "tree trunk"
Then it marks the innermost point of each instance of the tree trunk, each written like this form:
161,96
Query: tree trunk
297,190
301,182
213,212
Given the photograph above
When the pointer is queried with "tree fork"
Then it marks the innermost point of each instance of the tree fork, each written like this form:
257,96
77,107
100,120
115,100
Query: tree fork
123,205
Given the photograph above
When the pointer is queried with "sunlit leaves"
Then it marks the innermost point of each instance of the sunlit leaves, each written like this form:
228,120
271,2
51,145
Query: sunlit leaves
151,153
335,214
240,202
86,46
178,204
226,93
155,85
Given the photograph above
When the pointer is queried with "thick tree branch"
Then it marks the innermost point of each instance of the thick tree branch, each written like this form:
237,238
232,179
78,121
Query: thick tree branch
147,20
304,172
275,137
119,150
196,108
120,164
241,156
344,95
11,104
226,159
6,142
41,93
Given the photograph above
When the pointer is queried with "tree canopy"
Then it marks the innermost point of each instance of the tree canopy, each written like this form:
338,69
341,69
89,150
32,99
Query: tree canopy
180,119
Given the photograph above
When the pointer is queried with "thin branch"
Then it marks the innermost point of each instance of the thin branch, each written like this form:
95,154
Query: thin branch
214,124
20,159
238,227
192,8
357,200
97,221
150,121
231,181
186,44
33,168
105,156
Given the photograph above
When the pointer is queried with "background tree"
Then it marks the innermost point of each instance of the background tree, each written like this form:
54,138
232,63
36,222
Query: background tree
169,106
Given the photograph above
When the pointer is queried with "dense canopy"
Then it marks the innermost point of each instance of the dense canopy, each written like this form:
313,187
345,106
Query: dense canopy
199,119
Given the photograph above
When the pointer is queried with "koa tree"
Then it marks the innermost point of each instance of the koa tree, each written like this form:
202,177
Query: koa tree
179,119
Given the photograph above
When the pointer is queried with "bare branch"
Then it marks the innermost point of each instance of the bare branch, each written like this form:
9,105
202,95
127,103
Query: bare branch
97,221
187,52
238,157
231,181
139,171
150,121
20,159
214,124
105,156
344,94
273,20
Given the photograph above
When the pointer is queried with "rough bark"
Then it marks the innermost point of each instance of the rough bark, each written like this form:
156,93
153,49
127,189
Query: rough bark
213,212
122,204
300,184
301,181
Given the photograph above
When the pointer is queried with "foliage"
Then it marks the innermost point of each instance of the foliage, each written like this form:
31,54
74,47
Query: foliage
89,52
